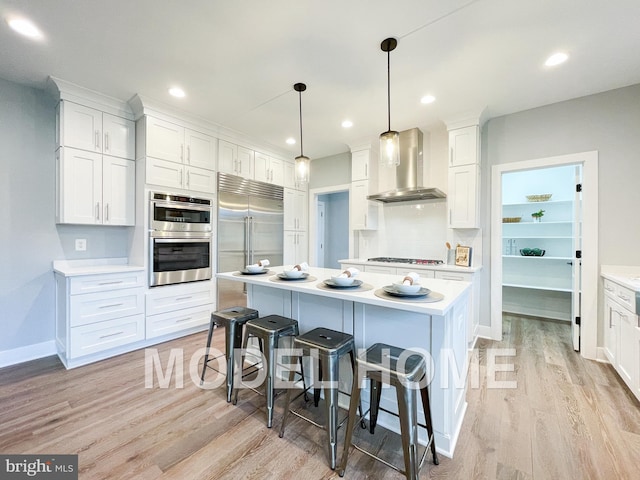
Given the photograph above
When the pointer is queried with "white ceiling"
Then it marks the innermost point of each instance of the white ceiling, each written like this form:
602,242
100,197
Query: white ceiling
238,60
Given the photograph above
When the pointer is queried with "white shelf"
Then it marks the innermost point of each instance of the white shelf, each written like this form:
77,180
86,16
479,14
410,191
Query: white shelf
561,222
534,287
550,202
537,256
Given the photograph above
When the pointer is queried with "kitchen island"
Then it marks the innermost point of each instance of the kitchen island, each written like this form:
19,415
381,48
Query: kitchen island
435,324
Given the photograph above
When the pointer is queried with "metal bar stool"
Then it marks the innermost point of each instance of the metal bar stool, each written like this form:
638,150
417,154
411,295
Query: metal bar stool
380,364
330,346
232,319
269,330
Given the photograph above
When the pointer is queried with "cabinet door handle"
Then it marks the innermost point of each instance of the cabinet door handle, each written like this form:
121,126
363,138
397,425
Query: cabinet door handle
98,211
189,154
106,141
183,319
182,152
113,305
181,177
110,283
106,212
240,166
97,139
608,289
366,170
111,335
450,155
180,299
365,220
624,298
187,178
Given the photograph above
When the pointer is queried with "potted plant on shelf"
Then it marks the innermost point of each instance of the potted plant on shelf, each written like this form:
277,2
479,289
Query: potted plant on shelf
537,216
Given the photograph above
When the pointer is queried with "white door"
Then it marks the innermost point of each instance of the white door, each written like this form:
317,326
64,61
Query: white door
80,187
119,136
576,274
165,140
201,150
118,191
320,235
81,127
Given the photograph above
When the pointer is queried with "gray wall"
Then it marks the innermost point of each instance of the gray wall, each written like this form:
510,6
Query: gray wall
608,122
29,237
329,171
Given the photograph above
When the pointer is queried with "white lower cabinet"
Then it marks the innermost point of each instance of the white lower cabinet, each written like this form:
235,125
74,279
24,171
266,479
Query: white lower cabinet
178,308
295,246
622,333
97,314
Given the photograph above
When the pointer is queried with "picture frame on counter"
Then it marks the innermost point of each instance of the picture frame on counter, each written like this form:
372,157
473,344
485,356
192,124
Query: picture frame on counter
463,256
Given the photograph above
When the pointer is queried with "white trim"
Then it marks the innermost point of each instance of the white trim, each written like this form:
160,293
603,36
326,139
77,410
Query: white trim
27,353
589,161
313,210
484,331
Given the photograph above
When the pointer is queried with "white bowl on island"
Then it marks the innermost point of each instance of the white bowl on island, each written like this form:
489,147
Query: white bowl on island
254,268
293,273
407,288
343,281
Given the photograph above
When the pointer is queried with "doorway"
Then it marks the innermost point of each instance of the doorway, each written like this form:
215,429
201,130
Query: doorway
329,226
582,280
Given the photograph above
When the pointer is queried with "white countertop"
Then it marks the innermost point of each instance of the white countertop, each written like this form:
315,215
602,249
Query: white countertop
442,267
627,276
451,289
94,266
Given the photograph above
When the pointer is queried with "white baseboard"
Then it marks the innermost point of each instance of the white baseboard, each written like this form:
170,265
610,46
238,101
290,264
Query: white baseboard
27,353
600,355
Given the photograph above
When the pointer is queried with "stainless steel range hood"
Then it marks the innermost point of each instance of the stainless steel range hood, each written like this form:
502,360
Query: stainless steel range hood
409,173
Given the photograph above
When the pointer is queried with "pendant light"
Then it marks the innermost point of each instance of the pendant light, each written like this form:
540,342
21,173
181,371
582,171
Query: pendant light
301,162
389,140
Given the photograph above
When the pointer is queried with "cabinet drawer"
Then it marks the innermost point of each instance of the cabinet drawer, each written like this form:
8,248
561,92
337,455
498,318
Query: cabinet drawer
171,322
458,277
411,268
609,288
105,282
97,307
626,298
376,269
161,302
88,339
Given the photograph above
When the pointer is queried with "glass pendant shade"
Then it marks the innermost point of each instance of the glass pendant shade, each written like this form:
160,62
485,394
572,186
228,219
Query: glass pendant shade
390,149
302,169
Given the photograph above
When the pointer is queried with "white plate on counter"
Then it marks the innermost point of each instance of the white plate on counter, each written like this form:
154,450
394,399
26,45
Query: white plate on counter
392,290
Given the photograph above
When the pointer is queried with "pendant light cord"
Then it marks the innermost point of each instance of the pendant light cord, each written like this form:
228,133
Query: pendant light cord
389,89
300,96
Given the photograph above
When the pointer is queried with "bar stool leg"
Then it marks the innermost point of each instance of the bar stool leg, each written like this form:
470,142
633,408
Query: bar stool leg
407,411
426,406
353,407
374,403
287,401
238,371
270,356
206,355
233,340
316,388
352,356
330,366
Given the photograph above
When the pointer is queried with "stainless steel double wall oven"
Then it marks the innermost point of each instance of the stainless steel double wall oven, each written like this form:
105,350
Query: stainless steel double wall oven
179,239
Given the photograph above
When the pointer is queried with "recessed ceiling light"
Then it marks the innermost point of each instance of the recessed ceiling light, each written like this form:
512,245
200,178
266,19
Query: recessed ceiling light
347,124
177,92
556,59
428,99
24,27
291,141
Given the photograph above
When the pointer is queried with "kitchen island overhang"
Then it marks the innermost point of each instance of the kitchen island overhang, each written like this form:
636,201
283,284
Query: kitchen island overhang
438,328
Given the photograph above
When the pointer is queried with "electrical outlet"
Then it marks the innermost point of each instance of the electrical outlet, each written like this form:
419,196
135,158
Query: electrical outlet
81,244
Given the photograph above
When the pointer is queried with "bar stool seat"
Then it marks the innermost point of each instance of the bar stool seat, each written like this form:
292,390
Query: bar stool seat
232,319
330,346
269,330
380,364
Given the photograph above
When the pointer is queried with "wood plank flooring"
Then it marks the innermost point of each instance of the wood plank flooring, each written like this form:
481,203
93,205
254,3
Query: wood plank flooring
567,418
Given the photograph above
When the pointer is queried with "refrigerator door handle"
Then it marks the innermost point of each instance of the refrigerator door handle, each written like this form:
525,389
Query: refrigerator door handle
246,241
251,239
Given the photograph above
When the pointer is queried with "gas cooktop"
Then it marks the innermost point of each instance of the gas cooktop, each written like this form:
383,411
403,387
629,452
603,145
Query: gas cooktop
413,261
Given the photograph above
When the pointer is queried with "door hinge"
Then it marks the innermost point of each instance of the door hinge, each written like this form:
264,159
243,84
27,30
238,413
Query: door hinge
577,320
578,187
578,253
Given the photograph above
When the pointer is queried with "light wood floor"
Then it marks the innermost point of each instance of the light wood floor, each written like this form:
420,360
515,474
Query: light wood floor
567,418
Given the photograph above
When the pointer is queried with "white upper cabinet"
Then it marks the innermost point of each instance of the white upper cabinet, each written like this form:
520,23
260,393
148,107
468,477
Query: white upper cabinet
360,165
295,209
175,143
463,197
234,159
94,189
268,169
95,131
463,146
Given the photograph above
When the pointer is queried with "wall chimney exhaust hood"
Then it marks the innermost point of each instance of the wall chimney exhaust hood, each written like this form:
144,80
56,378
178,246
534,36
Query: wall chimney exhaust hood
409,173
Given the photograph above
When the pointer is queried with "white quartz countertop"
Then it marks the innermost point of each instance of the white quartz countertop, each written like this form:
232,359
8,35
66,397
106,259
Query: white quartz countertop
627,276
411,266
95,266
451,289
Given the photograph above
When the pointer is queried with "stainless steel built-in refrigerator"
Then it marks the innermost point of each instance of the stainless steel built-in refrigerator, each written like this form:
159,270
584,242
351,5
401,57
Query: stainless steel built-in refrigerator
250,228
